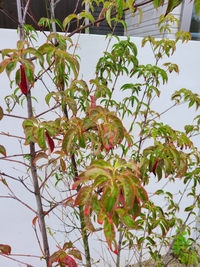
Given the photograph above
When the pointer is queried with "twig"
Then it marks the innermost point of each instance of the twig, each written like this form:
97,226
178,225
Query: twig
25,11
56,106
10,16
28,265
16,161
14,116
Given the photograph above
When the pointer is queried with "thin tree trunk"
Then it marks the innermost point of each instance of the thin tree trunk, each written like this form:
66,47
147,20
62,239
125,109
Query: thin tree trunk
81,212
119,247
33,154
37,190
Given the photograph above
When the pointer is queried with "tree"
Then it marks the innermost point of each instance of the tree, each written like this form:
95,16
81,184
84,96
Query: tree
93,155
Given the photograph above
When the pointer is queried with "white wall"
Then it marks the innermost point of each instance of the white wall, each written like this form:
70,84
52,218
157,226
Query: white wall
16,220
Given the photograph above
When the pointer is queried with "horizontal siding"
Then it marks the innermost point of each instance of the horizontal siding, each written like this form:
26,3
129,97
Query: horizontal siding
149,24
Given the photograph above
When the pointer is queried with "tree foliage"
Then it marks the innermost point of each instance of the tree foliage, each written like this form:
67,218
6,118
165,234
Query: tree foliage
88,142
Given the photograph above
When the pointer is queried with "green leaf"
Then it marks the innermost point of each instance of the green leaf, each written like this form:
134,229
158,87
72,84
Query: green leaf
68,19
143,194
197,7
82,196
133,166
127,219
140,16
29,69
10,67
119,164
190,208
67,245
100,180
118,124
62,165
168,166
87,15
1,113
111,199
34,52
41,139
139,241
81,139
40,155
151,240
72,104
158,3
46,48
76,253
58,23
163,230
171,5
176,156
2,150
18,77
4,64
120,4
108,17
4,52
96,171
158,192
128,191
68,139
48,97
102,163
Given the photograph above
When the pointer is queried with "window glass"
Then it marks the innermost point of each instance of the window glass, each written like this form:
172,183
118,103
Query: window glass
195,27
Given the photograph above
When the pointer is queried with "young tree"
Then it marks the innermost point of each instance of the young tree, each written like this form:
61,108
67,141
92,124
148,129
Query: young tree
103,170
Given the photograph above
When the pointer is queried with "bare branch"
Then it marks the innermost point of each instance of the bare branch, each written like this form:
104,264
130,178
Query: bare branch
25,11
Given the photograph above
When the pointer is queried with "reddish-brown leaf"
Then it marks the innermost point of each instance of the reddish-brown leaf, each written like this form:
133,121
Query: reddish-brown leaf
69,261
76,253
154,167
23,81
50,142
34,220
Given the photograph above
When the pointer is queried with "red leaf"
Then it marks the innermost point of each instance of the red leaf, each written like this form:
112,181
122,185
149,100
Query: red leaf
154,167
122,199
93,102
86,210
50,142
69,261
23,80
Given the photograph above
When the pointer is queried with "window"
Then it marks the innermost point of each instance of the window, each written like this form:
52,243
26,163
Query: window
195,27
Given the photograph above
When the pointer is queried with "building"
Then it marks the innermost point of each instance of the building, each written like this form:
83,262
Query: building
149,25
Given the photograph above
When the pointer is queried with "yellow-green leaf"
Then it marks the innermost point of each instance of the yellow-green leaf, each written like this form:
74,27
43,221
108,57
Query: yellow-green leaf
68,19
1,113
2,150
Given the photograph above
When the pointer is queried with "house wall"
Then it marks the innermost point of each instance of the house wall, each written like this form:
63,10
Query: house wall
16,220
149,24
